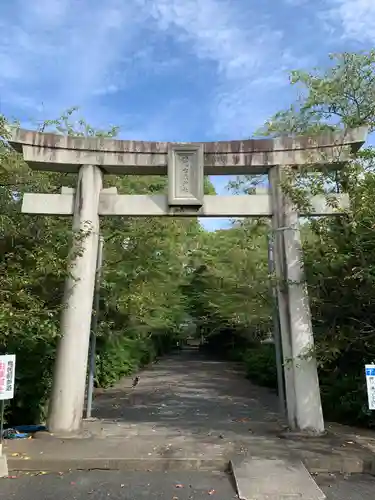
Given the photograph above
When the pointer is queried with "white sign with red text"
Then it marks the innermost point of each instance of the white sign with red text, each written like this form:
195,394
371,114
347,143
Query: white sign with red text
7,376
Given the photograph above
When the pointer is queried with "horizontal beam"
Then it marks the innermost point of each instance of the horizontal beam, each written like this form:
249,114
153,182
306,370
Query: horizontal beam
66,154
70,190
213,206
258,205
47,204
63,160
54,204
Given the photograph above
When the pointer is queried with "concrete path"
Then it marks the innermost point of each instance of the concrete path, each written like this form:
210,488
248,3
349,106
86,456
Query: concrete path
187,413
188,394
100,485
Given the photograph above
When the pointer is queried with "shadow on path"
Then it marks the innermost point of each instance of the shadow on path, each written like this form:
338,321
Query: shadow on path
193,394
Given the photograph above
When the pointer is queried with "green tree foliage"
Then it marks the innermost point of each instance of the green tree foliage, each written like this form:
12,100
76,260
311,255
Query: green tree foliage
340,95
229,287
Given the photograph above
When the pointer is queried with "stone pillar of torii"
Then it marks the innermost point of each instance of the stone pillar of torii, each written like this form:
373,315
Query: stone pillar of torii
185,164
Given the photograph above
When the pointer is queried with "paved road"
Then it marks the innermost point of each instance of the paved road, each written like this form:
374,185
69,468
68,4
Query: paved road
100,485
356,487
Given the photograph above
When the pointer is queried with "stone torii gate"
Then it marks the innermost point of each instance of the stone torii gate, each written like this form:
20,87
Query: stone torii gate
185,164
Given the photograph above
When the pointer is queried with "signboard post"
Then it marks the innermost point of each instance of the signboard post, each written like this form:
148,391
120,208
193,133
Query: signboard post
370,382
7,376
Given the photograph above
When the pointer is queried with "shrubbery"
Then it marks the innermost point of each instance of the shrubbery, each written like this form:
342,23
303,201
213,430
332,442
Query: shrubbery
119,357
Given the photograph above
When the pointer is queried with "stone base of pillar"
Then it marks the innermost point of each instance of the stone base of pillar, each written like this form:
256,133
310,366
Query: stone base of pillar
305,434
50,436
3,463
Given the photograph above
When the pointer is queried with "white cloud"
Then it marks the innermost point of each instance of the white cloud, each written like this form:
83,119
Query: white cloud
66,52
51,12
65,48
213,31
356,18
296,3
248,54
109,89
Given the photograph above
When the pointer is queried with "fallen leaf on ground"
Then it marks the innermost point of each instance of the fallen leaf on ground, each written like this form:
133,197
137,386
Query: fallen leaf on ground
15,455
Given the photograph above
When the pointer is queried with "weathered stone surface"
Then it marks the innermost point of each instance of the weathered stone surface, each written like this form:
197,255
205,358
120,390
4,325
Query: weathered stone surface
3,463
185,175
61,153
68,389
157,205
57,141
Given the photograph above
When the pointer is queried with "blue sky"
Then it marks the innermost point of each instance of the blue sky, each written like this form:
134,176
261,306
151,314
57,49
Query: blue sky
169,70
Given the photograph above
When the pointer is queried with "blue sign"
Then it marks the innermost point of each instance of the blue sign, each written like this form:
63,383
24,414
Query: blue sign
370,372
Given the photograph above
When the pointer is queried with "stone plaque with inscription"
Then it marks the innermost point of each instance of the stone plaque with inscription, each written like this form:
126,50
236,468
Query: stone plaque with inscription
185,175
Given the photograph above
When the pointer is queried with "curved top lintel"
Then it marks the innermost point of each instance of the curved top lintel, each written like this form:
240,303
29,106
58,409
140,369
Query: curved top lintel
351,137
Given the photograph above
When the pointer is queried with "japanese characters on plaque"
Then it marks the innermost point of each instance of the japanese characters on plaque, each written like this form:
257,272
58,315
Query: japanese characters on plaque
7,376
185,175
